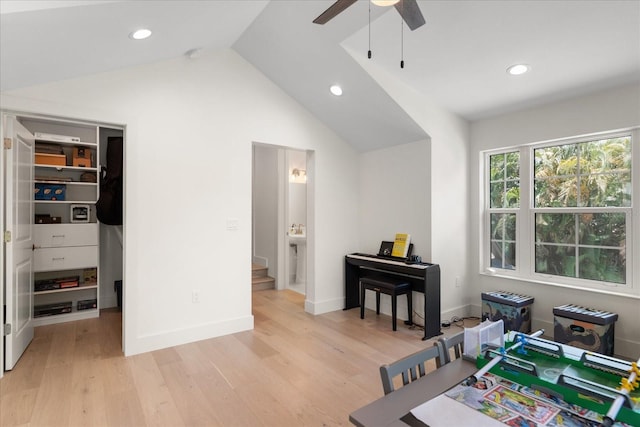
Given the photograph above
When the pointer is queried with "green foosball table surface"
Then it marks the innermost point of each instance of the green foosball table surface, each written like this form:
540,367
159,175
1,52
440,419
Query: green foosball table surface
578,377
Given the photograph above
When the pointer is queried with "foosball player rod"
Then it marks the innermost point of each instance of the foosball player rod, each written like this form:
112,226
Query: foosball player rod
475,377
627,385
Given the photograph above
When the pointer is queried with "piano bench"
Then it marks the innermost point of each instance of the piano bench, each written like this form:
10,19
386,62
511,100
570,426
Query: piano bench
388,286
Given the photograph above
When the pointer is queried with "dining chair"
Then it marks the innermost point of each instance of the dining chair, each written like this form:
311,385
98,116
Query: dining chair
455,343
411,367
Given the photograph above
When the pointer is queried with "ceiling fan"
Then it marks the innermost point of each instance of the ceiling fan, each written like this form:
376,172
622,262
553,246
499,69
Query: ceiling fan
408,9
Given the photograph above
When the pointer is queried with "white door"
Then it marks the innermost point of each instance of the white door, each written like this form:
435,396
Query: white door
19,219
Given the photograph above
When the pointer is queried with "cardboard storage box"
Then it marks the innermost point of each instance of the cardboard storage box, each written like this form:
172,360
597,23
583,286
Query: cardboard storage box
47,219
51,159
50,191
81,157
90,276
513,309
584,328
87,304
52,309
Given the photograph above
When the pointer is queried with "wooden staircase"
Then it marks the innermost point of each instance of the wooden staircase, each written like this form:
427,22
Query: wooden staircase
259,278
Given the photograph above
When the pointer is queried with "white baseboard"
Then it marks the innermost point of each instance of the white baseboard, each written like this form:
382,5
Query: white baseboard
445,315
323,306
176,337
418,308
460,312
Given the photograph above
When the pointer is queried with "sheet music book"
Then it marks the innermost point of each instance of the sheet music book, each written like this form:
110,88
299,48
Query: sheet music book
401,245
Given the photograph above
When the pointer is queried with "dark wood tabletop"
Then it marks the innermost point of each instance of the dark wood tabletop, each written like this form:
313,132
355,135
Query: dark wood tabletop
389,409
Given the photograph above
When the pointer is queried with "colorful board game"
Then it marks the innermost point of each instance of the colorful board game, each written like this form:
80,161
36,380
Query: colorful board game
582,386
519,405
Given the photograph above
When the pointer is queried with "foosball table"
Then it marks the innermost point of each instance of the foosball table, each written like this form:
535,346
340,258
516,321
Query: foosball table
590,388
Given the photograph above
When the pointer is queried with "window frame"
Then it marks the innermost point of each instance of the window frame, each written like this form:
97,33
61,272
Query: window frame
526,213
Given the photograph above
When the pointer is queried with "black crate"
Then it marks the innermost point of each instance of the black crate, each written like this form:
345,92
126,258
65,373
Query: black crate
585,328
513,309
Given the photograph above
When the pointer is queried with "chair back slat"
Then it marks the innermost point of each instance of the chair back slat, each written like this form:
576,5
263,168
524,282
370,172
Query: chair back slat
410,368
455,342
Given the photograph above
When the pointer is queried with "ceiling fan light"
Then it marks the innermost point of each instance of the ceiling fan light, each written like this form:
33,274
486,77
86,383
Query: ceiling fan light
384,3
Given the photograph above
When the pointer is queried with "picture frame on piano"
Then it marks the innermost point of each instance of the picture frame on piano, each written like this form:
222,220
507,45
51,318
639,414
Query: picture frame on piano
386,248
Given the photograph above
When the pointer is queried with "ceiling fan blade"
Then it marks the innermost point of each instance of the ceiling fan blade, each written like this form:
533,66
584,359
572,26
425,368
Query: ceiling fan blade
411,14
333,11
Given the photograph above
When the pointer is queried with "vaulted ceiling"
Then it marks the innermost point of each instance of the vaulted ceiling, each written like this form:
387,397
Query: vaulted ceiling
458,59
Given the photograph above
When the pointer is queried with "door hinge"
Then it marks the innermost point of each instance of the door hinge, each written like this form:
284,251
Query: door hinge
6,330
8,143
7,236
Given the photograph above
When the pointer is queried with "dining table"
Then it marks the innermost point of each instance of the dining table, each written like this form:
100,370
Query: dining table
394,409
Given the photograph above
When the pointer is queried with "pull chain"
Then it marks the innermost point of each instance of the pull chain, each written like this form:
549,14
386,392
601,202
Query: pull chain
369,52
401,43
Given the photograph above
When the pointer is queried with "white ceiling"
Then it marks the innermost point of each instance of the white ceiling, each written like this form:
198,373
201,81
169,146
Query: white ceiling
57,41
458,59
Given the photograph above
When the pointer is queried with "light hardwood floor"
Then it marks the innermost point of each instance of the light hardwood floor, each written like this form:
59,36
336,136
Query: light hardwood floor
293,369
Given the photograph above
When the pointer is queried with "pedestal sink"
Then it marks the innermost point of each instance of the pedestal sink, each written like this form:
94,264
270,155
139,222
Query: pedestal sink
300,241
297,239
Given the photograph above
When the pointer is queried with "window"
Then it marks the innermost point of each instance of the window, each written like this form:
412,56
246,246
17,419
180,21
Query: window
573,223
504,198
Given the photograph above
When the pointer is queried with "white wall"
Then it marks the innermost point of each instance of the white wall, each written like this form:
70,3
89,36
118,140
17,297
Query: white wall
604,111
446,191
190,125
111,253
297,204
111,267
297,195
265,206
394,198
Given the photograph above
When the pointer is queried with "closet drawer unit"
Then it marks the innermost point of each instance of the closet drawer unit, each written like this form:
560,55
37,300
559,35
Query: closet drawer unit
65,258
63,235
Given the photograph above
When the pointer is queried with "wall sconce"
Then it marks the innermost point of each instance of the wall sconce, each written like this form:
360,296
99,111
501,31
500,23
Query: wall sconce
298,175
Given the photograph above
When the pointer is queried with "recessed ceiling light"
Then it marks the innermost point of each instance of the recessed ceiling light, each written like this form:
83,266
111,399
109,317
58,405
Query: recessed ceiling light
336,90
140,34
517,69
384,3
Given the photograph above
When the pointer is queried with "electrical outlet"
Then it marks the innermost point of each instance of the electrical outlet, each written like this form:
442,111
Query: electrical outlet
457,281
195,297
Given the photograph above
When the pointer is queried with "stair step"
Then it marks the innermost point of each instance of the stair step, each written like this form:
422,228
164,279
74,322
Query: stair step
260,283
258,271
260,278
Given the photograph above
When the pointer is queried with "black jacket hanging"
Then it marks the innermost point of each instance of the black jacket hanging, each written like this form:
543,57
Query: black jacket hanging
109,205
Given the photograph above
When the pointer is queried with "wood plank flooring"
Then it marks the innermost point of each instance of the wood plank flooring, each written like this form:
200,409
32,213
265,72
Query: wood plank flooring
293,369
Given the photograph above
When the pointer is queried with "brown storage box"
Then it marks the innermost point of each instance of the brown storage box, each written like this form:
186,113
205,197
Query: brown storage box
51,159
47,219
81,157
90,276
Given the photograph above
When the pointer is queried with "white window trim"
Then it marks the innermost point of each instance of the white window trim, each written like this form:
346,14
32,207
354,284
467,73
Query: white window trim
525,221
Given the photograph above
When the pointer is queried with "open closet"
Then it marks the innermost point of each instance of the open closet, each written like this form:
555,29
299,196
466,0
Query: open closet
62,263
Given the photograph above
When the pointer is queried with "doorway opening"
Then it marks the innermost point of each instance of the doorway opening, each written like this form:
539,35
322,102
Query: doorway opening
280,221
